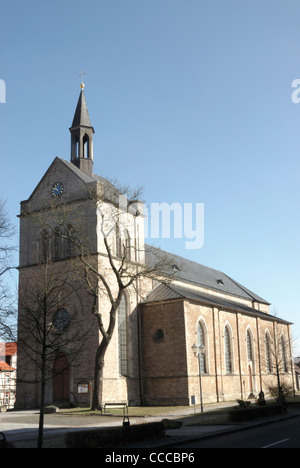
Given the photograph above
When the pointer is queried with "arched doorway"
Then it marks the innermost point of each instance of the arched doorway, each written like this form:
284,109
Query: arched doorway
61,380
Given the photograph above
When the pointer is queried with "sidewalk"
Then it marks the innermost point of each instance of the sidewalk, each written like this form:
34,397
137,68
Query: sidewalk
189,433
22,425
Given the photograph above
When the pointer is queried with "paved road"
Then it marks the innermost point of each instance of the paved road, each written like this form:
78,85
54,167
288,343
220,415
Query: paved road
281,434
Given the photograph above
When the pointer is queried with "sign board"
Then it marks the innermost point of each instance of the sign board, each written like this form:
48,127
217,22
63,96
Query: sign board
193,399
83,387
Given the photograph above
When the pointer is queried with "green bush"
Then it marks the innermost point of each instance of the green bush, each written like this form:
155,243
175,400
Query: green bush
253,412
110,436
50,409
280,393
244,404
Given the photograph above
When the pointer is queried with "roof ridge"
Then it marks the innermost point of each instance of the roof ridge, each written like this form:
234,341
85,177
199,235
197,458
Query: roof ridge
184,258
207,277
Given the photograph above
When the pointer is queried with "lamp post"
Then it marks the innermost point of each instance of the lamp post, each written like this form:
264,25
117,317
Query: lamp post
199,350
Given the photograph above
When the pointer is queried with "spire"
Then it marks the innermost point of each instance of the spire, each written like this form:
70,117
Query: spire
81,116
82,136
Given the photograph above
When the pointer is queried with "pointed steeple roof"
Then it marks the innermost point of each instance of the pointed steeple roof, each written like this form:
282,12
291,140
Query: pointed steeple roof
81,116
82,137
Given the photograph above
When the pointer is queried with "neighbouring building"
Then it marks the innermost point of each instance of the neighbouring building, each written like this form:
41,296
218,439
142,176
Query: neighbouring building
150,359
8,370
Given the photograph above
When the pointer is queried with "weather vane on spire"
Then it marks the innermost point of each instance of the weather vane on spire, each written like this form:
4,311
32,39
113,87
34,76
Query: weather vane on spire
82,84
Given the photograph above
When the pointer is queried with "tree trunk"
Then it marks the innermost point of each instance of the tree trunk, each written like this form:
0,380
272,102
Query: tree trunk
41,418
97,402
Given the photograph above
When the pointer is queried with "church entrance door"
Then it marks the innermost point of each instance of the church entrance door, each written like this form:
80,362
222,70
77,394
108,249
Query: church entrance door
61,381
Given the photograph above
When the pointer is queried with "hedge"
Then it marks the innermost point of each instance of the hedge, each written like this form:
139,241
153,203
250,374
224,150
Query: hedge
110,436
253,412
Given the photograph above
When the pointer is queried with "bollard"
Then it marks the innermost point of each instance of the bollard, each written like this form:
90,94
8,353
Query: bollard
126,421
3,442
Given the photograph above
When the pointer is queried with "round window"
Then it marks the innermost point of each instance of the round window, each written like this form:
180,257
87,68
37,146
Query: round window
159,335
61,320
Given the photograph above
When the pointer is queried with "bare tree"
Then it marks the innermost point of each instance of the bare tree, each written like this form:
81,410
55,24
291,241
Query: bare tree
117,268
123,277
7,306
277,360
44,328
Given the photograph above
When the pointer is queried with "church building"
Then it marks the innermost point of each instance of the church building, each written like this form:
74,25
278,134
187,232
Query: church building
198,334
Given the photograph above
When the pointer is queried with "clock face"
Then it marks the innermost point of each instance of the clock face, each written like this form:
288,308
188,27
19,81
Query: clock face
57,190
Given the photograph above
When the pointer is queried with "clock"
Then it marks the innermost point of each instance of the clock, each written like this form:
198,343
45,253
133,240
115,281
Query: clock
57,190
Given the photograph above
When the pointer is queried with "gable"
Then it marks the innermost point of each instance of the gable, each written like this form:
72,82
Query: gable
75,186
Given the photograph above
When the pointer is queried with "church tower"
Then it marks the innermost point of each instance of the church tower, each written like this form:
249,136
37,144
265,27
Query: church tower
82,137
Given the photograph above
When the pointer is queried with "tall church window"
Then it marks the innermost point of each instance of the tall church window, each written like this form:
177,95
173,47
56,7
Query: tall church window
69,248
58,245
63,243
45,246
128,247
201,342
228,351
268,352
249,347
124,246
122,334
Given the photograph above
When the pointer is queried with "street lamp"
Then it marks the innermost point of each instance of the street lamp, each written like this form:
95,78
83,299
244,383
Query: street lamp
199,350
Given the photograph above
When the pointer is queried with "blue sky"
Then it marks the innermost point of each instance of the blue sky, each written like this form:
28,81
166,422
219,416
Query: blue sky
189,98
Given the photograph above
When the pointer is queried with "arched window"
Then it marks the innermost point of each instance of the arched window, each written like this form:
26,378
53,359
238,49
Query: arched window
63,243
283,354
45,251
124,247
268,352
58,244
128,247
228,350
69,249
74,147
122,334
86,146
202,342
249,347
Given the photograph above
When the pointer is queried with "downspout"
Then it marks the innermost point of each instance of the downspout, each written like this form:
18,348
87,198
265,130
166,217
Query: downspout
239,354
215,354
259,356
139,333
138,312
220,347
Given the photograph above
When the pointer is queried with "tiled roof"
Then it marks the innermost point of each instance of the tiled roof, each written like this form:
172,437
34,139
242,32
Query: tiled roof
197,274
10,348
165,292
5,367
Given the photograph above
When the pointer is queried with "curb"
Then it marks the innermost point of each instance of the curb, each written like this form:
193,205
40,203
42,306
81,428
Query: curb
228,431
